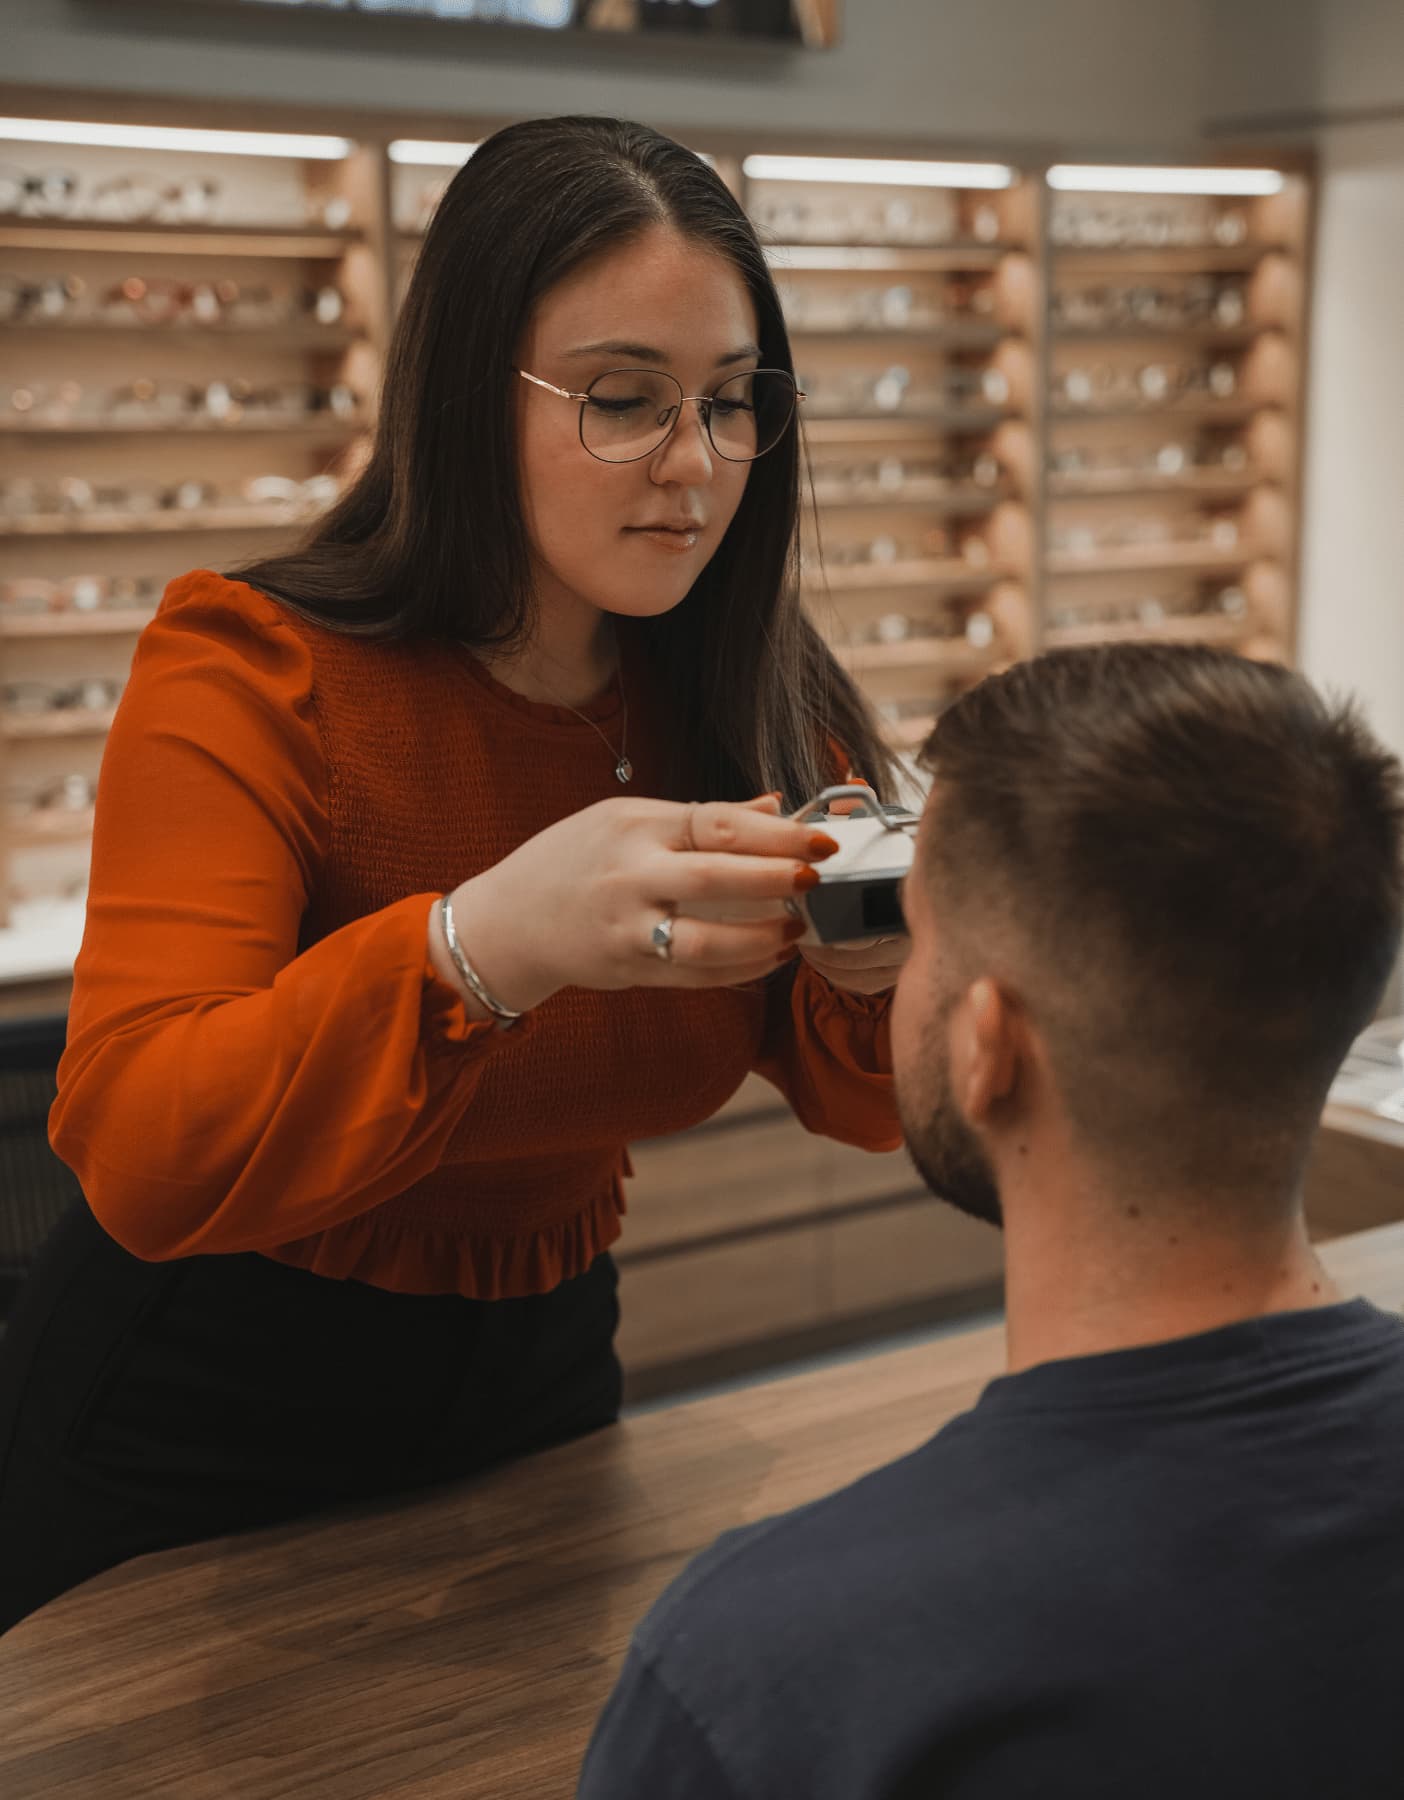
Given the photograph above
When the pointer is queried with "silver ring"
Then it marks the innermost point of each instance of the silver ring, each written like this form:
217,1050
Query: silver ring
662,938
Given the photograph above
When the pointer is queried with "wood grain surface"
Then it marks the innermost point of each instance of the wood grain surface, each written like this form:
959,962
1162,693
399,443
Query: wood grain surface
461,1644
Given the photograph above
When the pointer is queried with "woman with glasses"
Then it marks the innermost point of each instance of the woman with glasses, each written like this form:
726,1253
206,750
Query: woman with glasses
434,863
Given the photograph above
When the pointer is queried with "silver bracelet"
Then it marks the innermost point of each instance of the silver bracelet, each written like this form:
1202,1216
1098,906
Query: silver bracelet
503,1014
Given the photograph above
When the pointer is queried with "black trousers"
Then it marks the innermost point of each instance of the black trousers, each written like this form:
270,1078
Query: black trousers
145,1405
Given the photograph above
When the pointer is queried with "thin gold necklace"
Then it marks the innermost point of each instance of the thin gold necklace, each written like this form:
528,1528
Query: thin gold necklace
623,768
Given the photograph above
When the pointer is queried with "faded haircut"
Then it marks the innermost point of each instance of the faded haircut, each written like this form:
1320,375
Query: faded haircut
1189,868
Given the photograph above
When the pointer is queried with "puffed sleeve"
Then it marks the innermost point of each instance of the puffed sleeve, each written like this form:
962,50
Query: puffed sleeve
219,1090
829,1052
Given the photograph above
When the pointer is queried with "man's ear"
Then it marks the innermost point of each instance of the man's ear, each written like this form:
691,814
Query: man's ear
986,1042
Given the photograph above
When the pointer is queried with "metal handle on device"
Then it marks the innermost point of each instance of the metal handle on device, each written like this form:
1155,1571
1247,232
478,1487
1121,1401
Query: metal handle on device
853,791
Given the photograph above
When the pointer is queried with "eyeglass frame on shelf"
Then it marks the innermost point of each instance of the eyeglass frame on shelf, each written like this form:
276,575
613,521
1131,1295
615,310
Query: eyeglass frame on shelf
703,401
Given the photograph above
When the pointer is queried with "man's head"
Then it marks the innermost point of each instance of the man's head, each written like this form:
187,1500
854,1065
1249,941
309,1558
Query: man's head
1157,892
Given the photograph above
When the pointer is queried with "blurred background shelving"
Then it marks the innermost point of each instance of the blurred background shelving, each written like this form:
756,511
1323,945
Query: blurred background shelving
190,348
1035,415
912,296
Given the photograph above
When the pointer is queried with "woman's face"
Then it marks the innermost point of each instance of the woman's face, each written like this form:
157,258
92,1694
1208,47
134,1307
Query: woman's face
630,538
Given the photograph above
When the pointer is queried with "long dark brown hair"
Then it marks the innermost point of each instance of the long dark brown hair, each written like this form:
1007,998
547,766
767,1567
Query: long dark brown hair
431,540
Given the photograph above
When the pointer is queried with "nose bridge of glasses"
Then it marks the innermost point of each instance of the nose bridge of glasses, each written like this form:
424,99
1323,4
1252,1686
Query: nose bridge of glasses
671,423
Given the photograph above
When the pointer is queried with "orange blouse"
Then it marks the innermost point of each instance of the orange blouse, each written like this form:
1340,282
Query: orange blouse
260,1055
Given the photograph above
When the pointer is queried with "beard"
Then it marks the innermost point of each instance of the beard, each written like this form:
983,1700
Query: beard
947,1154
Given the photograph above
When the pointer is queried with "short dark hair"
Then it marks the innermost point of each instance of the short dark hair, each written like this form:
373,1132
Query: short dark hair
1192,867
431,540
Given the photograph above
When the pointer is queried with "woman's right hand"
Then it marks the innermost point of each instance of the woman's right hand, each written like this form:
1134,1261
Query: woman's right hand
576,905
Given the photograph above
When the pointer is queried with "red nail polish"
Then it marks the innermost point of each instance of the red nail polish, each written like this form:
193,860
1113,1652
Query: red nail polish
806,878
821,845
794,929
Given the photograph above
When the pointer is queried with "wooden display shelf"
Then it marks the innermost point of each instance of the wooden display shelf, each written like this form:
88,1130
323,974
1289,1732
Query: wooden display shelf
954,502
953,573
1167,259
1193,628
1133,559
60,826
935,259
114,622
63,722
1114,484
292,335
1004,522
953,659
296,241
1229,412
314,425
973,336
907,427
165,520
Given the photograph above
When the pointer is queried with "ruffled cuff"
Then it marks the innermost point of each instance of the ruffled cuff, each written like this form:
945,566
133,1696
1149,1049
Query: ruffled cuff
829,1051
855,1028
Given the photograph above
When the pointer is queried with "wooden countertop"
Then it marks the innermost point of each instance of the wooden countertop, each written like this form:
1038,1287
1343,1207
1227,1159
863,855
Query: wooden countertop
459,1645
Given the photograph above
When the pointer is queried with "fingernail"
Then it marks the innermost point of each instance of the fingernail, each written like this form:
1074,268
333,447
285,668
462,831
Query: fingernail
794,930
822,845
805,878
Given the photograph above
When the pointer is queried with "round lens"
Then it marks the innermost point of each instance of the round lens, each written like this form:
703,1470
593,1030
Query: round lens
628,413
749,413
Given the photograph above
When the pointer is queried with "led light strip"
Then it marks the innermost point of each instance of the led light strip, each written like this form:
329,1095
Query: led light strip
432,153
870,170
1089,178
426,153
160,137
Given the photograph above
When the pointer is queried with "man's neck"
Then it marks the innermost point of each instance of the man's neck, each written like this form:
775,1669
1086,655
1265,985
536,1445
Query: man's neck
1088,1272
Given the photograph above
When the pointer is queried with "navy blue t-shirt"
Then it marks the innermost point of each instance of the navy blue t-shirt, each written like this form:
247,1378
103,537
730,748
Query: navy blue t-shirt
1169,1573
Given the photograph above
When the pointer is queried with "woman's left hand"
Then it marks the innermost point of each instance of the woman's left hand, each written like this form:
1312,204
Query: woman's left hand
864,966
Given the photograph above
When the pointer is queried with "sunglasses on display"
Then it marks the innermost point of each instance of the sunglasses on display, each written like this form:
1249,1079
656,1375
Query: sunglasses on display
34,594
1085,540
897,307
220,402
1167,459
124,199
1098,225
928,218
22,498
975,628
1149,384
897,390
63,794
1228,602
85,694
1199,301
895,477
